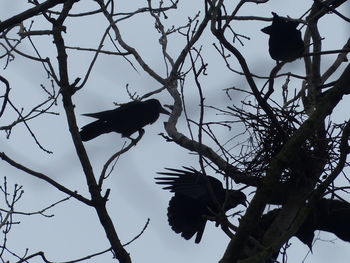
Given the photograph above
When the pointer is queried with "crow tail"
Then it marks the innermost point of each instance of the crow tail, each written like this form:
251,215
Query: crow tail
92,130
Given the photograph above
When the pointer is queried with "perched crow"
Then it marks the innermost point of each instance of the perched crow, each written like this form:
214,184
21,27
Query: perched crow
193,203
327,215
126,119
305,233
285,43
334,217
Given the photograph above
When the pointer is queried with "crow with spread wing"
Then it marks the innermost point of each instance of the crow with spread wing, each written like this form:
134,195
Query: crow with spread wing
197,198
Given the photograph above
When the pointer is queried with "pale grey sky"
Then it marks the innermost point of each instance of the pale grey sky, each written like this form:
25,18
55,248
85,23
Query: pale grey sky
74,231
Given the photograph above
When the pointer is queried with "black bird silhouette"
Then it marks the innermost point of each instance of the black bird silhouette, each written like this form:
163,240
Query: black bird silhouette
285,42
328,215
193,203
305,233
334,216
126,119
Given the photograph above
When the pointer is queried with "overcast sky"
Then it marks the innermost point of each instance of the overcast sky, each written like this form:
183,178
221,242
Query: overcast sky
74,231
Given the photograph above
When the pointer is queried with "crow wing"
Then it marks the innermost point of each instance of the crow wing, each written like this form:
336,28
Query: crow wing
185,216
190,183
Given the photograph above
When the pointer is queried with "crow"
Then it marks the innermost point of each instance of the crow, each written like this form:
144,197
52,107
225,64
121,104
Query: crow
328,215
305,233
334,216
126,119
285,42
197,198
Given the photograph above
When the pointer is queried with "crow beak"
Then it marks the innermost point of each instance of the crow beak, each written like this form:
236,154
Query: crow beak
164,111
267,30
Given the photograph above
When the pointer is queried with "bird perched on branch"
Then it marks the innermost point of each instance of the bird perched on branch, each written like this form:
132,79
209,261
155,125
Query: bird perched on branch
326,215
285,42
126,119
197,198
334,217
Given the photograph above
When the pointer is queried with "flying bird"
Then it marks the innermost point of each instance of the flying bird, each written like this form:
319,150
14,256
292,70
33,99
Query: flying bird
126,119
197,199
285,42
